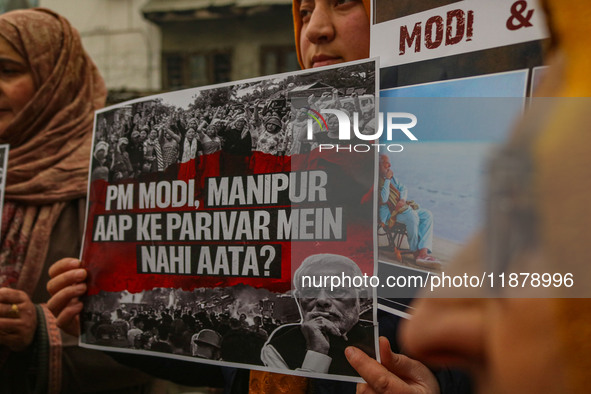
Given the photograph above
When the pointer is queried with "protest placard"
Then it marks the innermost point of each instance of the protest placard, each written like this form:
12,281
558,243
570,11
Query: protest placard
204,203
464,68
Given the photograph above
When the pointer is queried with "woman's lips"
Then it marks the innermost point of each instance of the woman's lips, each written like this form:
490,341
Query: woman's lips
325,60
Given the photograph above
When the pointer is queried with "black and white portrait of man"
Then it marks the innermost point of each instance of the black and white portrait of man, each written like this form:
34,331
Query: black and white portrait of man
329,321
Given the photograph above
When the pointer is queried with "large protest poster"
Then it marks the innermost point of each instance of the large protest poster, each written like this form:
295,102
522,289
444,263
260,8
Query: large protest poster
204,203
464,68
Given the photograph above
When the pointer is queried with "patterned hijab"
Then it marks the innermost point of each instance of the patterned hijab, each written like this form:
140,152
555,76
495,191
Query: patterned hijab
49,139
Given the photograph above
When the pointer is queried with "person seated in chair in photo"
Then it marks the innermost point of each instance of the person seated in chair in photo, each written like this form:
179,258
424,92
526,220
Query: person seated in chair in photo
395,208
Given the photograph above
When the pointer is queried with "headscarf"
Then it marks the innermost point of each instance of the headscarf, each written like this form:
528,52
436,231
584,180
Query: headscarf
101,146
561,155
190,148
297,24
50,139
274,120
568,25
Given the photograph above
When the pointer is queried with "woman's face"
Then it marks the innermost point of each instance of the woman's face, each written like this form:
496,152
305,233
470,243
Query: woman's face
16,84
333,32
100,155
271,128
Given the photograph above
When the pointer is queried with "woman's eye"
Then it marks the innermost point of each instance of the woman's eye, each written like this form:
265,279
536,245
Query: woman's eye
305,15
306,9
11,69
343,2
8,70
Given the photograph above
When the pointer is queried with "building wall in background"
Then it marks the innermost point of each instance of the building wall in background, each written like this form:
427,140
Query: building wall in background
206,51
124,45
141,51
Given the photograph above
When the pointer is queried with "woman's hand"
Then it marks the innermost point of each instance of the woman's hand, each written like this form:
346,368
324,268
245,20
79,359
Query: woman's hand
18,319
67,283
396,374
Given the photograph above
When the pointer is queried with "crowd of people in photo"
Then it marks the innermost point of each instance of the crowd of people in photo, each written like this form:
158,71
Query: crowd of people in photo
150,136
181,331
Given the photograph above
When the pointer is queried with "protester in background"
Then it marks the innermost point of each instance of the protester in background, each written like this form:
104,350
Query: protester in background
236,137
209,139
122,168
100,169
153,159
170,147
522,345
49,88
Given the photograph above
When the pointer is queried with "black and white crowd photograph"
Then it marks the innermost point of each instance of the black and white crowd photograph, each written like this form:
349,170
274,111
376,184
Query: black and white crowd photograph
174,132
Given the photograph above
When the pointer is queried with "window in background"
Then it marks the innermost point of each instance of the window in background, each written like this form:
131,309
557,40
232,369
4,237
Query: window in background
174,72
278,59
187,70
9,5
